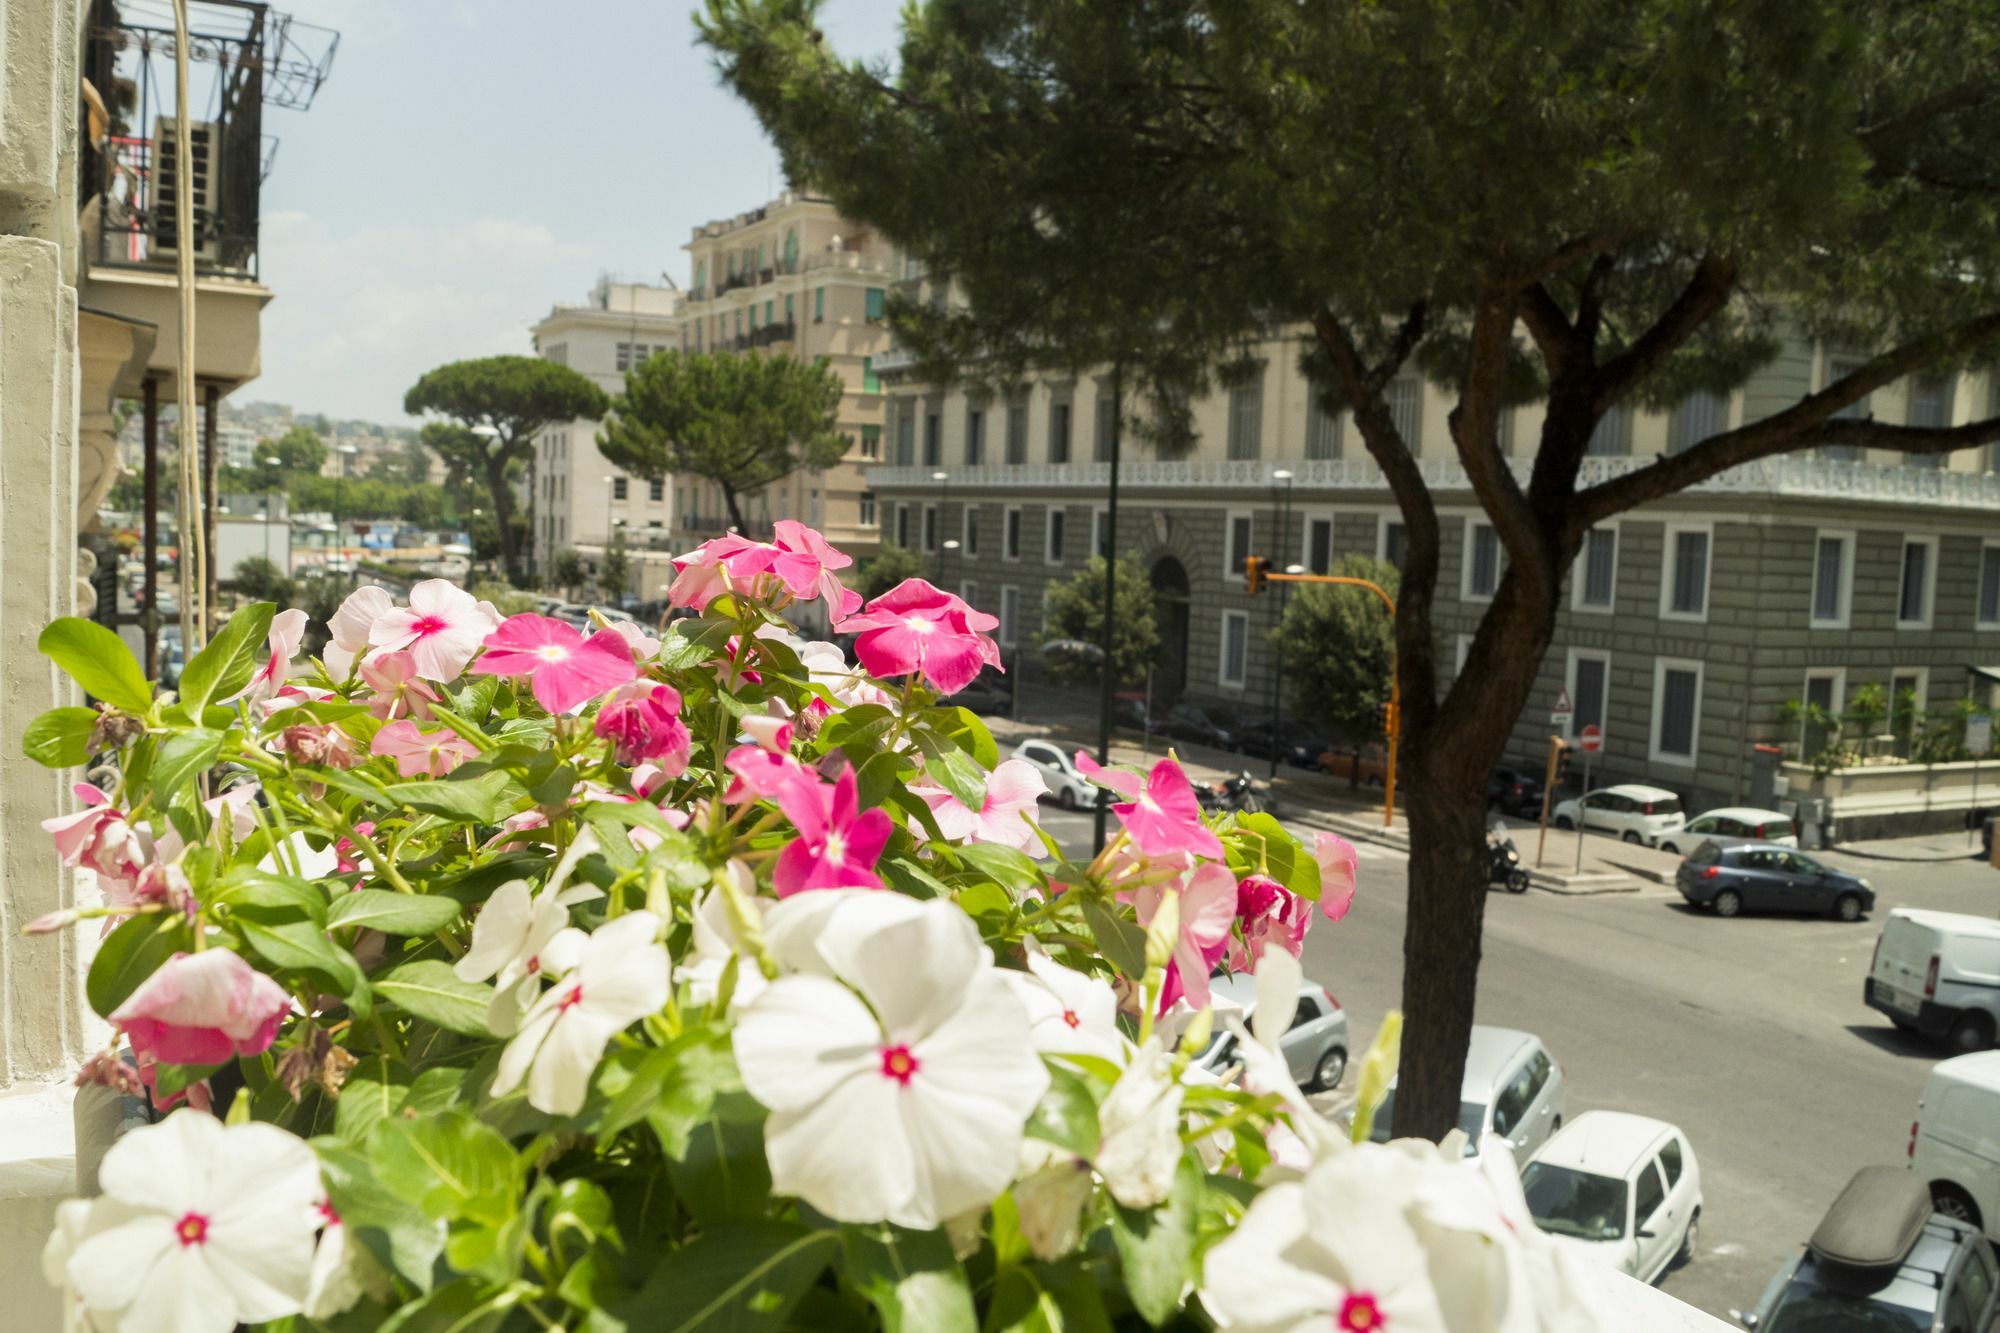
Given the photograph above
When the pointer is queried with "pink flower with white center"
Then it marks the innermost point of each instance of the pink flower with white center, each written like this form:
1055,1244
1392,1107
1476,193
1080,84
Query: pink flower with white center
915,627
350,627
1337,864
1207,908
1268,913
399,690
202,1009
797,559
420,753
1160,814
443,627
201,1227
900,1076
757,773
518,939
642,720
564,669
836,847
622,975
288,631
1012,792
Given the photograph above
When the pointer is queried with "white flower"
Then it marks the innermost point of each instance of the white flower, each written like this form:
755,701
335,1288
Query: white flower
300,858
716,942
341,1273
517,939
1071,1013
1049,1198
200,1227
621,975
907,1108
1140,1122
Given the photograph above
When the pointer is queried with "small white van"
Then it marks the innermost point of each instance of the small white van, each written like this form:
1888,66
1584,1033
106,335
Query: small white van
1955,1142
1938,973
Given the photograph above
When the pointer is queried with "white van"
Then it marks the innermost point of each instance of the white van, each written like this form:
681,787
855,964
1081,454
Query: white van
1938,973
1955,1142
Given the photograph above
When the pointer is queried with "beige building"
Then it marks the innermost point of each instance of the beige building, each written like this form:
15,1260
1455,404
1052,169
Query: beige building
796,278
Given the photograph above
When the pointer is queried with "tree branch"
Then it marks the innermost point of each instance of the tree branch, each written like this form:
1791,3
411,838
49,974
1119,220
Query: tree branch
1407,336
1707,291
1549,326
1475,429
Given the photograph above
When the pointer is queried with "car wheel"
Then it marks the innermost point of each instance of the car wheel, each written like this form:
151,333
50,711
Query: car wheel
1565,823
1972,1032
1067,800
1332,1066
1728,903
1633,838
1847,907
1690,1239
1955,1203
1671,849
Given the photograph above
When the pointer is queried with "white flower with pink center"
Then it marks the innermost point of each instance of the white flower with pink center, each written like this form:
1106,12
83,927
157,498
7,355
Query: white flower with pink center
622,975
200,1228
350,627
898,1085
1071,1012
518,939
442,628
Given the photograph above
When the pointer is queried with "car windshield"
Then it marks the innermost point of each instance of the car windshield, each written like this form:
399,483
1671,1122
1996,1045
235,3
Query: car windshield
1471,1119
1807,1308
1568,1202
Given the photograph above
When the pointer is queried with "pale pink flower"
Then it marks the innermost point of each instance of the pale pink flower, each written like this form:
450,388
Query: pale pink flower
202,1009
643,645
421,753
771,733
797,559
915,627
350,627
1337,863
288,631
837,844
237,808
100,839
564,669
319,743
1012,792
1207,908
1161,813
443,627
399,690
642,720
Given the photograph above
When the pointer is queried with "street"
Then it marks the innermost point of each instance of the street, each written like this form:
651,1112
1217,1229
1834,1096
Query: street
1750,1034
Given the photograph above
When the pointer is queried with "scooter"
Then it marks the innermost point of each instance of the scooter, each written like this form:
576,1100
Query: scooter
1231,796
1503,862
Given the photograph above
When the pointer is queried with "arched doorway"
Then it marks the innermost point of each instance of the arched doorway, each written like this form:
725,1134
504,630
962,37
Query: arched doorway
1170,594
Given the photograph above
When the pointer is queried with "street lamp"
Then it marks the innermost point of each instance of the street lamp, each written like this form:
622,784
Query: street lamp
943,479
346,451
1284,589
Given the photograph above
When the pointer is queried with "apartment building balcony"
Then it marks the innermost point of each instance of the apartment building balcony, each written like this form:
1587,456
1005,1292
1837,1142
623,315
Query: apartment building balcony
896,360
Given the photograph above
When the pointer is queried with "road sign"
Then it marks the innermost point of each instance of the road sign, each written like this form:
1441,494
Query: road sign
1979,734
1591,740
1562,712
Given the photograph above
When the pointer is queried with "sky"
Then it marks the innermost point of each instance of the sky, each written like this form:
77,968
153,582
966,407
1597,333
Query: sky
470,163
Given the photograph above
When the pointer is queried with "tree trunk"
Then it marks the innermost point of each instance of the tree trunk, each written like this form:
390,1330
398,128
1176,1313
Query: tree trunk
503,513
735,509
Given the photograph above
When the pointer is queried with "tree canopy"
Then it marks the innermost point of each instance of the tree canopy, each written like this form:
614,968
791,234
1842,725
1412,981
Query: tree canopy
1075,612
739,421
1338,647
885,569
299,449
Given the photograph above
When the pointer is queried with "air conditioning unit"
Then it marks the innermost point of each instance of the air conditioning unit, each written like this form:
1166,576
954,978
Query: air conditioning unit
204,161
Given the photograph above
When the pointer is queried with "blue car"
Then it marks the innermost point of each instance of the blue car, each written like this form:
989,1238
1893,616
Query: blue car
1765,877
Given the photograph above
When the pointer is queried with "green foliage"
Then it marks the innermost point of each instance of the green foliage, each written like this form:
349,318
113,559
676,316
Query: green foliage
509,601
566,569
1337,646
261,580
298,450
890,566
98,660
742,422
614,569
1075,609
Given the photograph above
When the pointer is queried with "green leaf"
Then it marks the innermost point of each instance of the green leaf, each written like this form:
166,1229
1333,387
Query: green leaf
430,990
1067,1114
98,660
1274,852
225,666
475,800
952,769
375,1089
182,758
132,953
1120,941
449,1165
970,733
724,1177
397,1235
392,913
583,1207
876,775
738,1278
463,1307
60,738
689,643
1003,864
912,1278
267,897
1156,1245
303,945
675,1087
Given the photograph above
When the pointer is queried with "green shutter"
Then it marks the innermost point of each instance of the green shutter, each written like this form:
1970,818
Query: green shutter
869,382
767,311
819,304
788,310
874,303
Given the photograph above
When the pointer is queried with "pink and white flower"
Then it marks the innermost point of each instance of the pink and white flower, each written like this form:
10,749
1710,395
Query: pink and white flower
202,1009
915,627
399,690
98,838
757,773
518,939
419,753
837,843
443,628
1013,791
1267,913
1207,909
642,720
287,632
1337,863
622,974
1160,812
797,559
564,669
1069,1012
350,627
644,647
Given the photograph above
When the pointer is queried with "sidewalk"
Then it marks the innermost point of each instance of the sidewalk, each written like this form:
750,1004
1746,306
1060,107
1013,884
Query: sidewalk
1929,847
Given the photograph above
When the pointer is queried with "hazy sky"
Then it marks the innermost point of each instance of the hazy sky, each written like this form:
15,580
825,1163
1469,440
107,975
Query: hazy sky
470,163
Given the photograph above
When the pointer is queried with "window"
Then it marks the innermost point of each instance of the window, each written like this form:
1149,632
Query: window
1057,530
970,538
656,490
1676,710
968,592
1930,402
1059,432
1612,436
1107,423
618,488
906,433
768,310
1246,416
1833,579
1010,533
788,311
875,304
1597,570
1236,546
933,438
1839,368
1322,429
975,436
903,526
1481,577
867,509
1010,608
1671,1162
1100,533
1316,552
1503,432
791,249
624,356
1700,415
1235,658
870,381
871,441
1017,433
1406,409
1684,580
930,527
1589,677
819,305
1649,1195
700,274
1395,542
1913,595
1989,587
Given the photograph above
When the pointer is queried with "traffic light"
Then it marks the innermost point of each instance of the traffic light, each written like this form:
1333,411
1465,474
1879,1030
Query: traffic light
1253,574
1388,719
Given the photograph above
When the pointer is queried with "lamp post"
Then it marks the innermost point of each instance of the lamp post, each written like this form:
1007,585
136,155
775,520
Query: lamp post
345,451
1284,589
943,479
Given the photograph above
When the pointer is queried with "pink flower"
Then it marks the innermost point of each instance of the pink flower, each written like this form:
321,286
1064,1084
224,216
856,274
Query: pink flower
643,645
772,733
916,627
288,631
344,849
1335,855
443,627
1268,913
764,773
798,559
565,670
421,753
642,721
1012,791
836,847
351,626
399,691
1208,907
237,807
1161,813
202,1009
100,839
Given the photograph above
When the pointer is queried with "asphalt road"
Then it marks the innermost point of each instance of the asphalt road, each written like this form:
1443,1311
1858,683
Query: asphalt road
1749,1034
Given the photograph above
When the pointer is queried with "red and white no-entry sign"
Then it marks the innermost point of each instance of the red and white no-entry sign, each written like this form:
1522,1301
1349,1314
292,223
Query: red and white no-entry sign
1591,739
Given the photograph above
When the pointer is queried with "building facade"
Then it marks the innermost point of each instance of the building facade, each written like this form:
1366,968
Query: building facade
1686,625
795,278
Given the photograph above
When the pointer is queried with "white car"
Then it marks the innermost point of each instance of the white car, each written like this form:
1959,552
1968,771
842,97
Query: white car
1512,1087
1067,787
1620,1190
1730,826
1630,811
1955,1141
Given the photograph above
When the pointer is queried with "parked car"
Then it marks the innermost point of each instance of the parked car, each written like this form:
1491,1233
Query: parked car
1764,877
1731,826
1256,736
1621,1190
1938,973
1955,1140
989,694
1370,767
1191,722
1133,712
1882,1260
1315,1041
1513,1087
1514,791
1067,787
1636,813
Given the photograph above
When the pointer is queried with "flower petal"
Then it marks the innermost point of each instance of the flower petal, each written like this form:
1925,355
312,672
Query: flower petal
801,1038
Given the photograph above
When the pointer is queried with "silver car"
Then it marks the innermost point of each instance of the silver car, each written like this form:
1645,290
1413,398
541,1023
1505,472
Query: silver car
1069,788
1513,1087
1314,1044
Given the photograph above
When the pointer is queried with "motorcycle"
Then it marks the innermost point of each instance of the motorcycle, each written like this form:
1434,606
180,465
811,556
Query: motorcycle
1233,795
1503,862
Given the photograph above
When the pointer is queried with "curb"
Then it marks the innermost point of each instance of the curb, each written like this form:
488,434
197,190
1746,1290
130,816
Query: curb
1973,855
